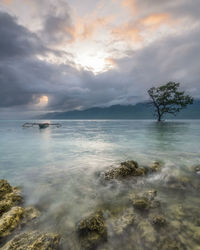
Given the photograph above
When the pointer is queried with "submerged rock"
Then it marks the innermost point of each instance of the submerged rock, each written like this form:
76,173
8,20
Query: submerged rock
147,233
120,223
178,182
170,244
33,241
92,230
30,214
5,188
145,200
159,220
126,169
197,169
141,203
156,167
10,221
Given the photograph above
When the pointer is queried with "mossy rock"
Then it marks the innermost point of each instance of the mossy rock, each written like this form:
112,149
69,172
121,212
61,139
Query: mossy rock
141,203
179,182
126,169
120,223
9,196
10,221
5,205
159,220
33,241
92,230
147,233
170,244
197,169
5,188
144,200
30,214
156,167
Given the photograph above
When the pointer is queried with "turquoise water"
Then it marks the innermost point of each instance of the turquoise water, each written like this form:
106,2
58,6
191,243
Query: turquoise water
56,167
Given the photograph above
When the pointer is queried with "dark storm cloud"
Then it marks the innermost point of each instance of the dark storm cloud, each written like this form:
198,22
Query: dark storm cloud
15,39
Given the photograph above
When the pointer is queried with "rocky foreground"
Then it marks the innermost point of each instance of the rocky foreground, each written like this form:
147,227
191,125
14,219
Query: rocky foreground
13,218
142,218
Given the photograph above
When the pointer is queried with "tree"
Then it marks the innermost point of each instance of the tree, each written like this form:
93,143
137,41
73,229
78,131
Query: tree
168,99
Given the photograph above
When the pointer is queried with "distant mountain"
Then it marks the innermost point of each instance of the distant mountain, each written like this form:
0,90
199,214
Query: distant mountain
138,111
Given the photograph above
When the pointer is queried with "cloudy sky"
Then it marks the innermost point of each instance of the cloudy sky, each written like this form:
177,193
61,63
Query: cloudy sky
59,55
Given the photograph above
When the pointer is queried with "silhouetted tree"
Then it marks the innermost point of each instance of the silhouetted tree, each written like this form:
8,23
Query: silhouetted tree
168,99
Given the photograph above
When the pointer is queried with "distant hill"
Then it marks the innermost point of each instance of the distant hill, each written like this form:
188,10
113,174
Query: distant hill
138,111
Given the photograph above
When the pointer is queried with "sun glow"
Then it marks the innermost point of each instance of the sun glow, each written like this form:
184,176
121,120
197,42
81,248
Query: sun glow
96,62
43,100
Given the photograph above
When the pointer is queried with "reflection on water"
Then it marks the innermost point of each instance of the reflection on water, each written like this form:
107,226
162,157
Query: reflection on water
57,168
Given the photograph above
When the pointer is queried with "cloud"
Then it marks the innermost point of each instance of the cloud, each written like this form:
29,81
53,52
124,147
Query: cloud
27,74
17,40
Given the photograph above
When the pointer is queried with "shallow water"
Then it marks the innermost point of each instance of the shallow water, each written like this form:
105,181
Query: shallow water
57,169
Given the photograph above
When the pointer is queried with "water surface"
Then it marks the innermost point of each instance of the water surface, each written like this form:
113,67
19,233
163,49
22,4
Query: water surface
57,167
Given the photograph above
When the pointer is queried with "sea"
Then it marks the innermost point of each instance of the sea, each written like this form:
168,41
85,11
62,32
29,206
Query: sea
59,170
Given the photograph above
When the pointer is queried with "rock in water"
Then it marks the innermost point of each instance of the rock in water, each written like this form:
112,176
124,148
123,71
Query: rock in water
33,241
10,220
92,230
9,196
156,167
145,200
120,223
5,188
126,169
159,220
13,216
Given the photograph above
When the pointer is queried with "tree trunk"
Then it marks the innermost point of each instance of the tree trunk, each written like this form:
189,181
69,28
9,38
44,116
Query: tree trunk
159,114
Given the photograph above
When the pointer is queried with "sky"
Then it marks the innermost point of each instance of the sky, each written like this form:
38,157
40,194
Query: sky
60,55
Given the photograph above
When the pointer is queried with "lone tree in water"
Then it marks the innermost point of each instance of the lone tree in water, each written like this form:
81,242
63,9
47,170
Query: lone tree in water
168,99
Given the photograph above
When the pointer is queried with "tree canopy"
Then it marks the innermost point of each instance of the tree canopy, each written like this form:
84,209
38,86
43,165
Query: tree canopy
168,99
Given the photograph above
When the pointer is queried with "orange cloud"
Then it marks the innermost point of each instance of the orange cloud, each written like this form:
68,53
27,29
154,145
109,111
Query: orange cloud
128,32
133,31
85,29
129,4
7,2
155,20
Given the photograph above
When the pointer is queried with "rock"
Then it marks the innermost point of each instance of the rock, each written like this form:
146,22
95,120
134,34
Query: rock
197,169
145,200
30,213
10,220
126,169
5,206
147,233
159,220
176,211
5,188
170,244
156,167
141,203
33,241
150,194
92,230
176,225
197,236
14,196
181,183
9,196
122,222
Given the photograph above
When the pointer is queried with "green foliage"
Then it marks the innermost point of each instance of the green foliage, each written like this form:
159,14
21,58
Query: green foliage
168,99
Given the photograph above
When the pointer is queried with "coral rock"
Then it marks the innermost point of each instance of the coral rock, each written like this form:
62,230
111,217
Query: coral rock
92,230
33,241
10,220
